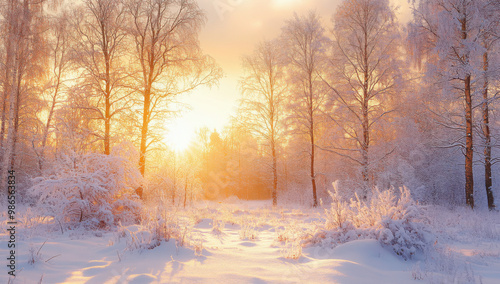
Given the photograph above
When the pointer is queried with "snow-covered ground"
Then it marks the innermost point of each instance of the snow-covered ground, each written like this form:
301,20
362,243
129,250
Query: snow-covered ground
249,242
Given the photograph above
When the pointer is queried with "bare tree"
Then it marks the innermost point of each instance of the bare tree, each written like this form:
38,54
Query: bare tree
24,23
55,85
100,49
168,57
264,88
490,35
305,43
446,33
366,69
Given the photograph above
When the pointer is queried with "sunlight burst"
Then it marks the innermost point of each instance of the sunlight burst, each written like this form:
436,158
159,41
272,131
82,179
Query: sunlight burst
179,135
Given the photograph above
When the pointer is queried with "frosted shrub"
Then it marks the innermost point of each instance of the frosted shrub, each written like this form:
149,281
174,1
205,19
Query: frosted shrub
247,230
339,215
94,190
217,226
402,226
396,221
291,231
291,237
157,225
163,224
138,238
292,250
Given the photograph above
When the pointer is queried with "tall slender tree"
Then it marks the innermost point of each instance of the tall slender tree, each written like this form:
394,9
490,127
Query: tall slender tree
366,69
264,88
24,24
55,86
168,57
490,35
305,43
100,48
446,34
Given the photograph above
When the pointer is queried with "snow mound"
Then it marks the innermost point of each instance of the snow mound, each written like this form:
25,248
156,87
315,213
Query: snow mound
368,253
393,219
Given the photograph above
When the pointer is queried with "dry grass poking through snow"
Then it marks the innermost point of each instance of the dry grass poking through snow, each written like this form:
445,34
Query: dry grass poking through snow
467,247
439,245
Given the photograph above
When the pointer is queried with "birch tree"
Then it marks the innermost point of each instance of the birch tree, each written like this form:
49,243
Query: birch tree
168,58
101,47
23,61
57,77
366,70
490,34
305,44
445,35
263,105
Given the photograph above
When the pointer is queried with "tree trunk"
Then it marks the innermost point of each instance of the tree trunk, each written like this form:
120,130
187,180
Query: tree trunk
5,97
313,175
364,150
107,114
275,175
311,134
11,133
366,123
487,137
16,120
4,111
9,59
107,126
144,135
41,159
144,132
469,150
469,146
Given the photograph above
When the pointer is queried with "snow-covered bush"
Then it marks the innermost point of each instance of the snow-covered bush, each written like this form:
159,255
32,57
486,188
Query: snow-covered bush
94,190
402,224
340,214
292,250
163,224
290,237
393,219
138,237
217,226
247,230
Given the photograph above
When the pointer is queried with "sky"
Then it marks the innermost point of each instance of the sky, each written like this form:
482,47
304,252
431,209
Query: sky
232,30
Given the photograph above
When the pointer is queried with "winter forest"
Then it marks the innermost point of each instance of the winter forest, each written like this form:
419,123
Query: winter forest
346,141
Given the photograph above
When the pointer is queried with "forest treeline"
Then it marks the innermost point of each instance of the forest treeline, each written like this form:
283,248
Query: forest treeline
358,98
